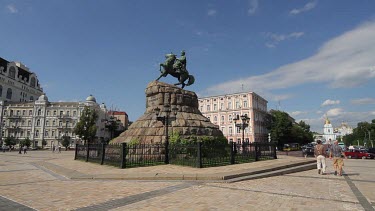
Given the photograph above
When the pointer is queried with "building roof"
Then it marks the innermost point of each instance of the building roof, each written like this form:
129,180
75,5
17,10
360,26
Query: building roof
117,113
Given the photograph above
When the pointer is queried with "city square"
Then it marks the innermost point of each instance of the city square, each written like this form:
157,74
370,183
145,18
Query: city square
187,105
27,185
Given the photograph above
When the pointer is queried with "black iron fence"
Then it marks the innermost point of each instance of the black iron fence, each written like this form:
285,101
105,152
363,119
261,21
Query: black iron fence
198,155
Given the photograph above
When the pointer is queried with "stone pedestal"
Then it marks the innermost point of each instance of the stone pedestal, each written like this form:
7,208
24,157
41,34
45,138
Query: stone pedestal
188,121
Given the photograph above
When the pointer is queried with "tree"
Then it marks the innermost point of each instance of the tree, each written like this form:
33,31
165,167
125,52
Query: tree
280,127
284,130
86,127
66,142
44,143
10,141
26,142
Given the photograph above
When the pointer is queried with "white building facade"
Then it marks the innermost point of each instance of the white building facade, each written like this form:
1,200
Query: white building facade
49,121
18,83
328,132
222,109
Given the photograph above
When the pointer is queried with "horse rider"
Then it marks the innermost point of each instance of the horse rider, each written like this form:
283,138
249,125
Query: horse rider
180,64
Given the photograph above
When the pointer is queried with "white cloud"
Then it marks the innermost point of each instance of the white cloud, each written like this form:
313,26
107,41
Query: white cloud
335,112
307,7
11,8
297,113
276,38
330,102
344,61
211,12
254,4
363,101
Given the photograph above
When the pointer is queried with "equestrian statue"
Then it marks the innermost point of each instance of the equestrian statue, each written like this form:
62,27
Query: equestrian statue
176,67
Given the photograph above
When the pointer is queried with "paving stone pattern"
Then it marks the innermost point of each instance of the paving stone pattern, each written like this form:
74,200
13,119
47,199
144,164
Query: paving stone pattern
25,185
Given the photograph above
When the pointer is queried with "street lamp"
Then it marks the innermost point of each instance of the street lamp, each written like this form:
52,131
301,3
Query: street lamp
165,120
242,125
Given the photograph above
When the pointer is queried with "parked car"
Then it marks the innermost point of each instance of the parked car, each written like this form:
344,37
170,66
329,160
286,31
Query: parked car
308,150
371,150
359,154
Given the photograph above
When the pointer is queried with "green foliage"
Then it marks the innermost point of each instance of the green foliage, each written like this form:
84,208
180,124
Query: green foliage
65,141
86,127
283,130
133,142
44,143
26,142
364,134
10,141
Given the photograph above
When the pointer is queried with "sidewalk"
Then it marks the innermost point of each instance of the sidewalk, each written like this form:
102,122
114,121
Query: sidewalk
77,169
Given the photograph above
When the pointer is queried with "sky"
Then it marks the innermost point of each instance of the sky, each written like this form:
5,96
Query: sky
310,58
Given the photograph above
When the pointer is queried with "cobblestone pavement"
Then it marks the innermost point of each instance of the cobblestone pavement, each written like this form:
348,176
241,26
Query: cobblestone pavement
25,186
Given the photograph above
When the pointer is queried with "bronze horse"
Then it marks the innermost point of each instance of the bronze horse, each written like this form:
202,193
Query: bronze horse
170,68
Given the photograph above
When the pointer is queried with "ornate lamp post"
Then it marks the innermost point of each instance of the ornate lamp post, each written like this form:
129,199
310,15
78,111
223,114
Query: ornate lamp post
242,125
165,120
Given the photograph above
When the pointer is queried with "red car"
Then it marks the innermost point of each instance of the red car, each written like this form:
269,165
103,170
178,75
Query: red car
359,154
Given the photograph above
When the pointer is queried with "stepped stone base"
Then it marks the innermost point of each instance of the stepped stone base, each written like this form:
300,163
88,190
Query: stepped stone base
188,121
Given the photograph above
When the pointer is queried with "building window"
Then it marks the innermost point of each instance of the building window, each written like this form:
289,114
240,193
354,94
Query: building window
39,112
201,108
38,122
37,133
21,133
53,134
238,130
245,104
221,106
215,107
29,123
223,130
61,113
230,130
60,123
53,122
46,133
12,72
18,113
30,112
24,113
47,123
208,107
32,82
9,93
229,105
215,118
47,113
74,113
222,118
54,113
68,113
238,105
230,117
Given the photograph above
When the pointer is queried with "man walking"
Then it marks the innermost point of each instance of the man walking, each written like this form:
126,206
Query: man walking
338,162
320,155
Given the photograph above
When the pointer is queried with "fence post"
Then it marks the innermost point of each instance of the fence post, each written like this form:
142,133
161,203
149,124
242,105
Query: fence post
199,161
256,151
76,152
87,152
123,155
232,152
103,154
274,151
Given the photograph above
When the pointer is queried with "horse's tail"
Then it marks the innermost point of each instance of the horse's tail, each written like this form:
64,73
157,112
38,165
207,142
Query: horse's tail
191,80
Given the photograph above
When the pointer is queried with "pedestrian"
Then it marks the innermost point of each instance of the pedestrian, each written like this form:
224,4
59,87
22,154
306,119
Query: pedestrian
25,149
338,162
53,148
59,149
320,154
20,150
